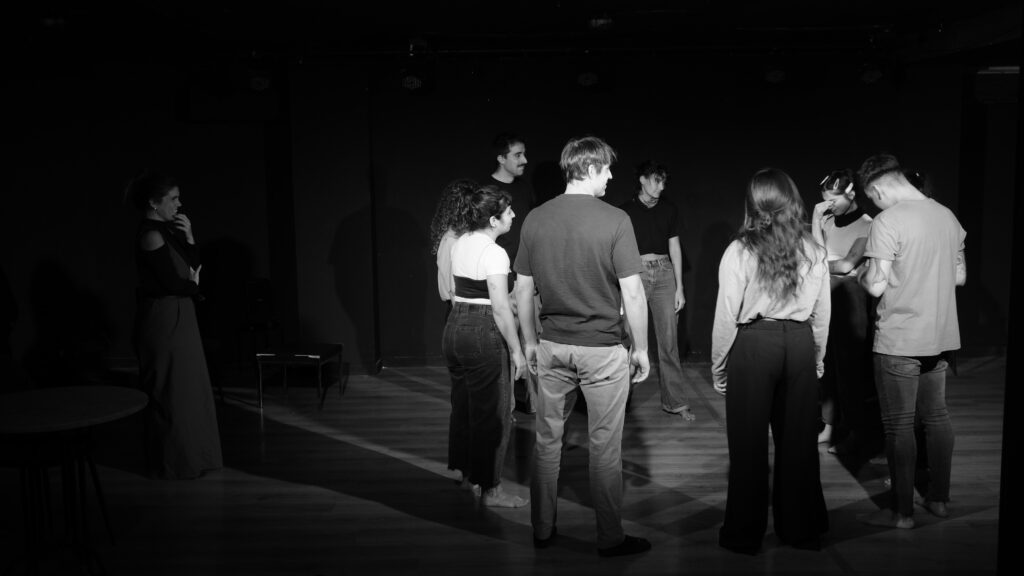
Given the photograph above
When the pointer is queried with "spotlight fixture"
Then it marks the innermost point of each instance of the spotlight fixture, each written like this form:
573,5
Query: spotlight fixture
587,79
411,81
774,75
259,82
870,74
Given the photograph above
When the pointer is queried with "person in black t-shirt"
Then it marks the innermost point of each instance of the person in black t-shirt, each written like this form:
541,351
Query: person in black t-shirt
510,154
656,225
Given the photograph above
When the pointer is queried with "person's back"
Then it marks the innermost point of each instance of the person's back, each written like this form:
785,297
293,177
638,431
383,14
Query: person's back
579,254
917,313
577,246
916,259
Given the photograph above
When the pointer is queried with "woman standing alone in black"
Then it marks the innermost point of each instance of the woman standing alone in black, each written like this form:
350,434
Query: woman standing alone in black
182,440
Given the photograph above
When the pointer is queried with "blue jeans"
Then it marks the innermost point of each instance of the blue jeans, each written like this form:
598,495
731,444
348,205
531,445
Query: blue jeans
481,422
602,374
660,288
913,390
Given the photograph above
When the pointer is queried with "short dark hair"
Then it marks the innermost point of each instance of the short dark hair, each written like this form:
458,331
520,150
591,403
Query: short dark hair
579,154
504,142
877,166
149,186
649,168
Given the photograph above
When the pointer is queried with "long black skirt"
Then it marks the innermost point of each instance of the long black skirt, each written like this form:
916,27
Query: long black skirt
182,438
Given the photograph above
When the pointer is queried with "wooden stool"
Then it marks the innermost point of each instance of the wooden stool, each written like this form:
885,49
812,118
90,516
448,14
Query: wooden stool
311,355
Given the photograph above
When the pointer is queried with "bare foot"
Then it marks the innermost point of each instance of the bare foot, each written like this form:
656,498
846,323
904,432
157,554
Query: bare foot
496,498
825,436
686,413
465,484
938,509
888,519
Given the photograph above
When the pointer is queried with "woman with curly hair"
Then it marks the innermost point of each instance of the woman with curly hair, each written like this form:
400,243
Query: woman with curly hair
768,346
442,234
480,338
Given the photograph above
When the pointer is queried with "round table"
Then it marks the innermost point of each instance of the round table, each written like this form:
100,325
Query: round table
32,419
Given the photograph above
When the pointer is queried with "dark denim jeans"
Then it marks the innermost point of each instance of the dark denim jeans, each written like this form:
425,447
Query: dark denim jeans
912,389
481,421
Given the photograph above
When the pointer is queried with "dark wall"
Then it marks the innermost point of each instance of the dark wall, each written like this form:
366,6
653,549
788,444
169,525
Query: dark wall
334,210
80,132
325,180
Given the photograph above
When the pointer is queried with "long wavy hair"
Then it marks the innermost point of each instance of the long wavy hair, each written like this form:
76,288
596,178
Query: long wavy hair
775,232
449,209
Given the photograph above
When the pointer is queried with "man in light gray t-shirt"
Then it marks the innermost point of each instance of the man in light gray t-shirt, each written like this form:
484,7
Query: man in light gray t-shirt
916,260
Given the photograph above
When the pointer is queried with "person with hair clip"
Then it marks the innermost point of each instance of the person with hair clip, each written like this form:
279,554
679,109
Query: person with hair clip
841,226
768,347
479,338
442,235
182,438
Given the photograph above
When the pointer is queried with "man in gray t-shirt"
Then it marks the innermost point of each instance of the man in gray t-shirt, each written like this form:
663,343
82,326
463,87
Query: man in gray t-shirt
915,253
580,255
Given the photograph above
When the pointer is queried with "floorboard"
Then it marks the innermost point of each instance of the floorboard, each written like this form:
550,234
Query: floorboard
362,487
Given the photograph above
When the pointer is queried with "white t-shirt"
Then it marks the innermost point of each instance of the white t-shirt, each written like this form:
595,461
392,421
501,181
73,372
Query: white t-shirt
476,256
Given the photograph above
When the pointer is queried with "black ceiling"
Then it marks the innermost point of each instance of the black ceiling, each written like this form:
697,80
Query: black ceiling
911,30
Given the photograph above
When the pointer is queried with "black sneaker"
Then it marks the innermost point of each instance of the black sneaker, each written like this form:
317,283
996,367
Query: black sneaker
630,545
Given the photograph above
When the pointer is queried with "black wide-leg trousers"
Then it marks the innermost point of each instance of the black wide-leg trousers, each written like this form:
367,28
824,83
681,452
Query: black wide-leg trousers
772,380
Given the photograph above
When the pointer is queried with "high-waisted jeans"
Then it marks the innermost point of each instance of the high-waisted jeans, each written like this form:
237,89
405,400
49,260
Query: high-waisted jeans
481,422
659,282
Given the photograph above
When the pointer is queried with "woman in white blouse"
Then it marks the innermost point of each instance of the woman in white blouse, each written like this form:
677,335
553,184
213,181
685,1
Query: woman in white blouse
479,338
768,345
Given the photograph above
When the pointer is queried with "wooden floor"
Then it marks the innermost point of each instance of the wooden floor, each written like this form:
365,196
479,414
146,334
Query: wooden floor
362,487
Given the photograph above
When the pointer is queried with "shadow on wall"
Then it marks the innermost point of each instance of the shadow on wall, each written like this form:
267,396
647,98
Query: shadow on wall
405,275
227,265
714,241
351,260
72,336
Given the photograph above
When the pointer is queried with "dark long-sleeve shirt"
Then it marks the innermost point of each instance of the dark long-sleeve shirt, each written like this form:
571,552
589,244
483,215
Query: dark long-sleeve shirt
164,271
